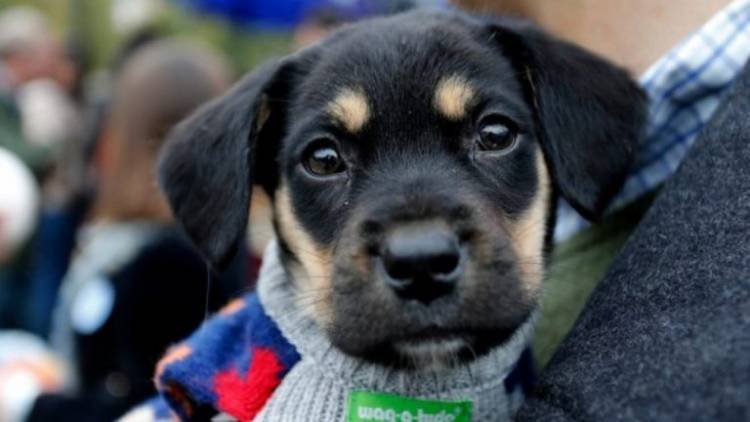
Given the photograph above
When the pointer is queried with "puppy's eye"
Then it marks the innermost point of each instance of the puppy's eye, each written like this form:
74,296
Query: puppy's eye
496,134
323,160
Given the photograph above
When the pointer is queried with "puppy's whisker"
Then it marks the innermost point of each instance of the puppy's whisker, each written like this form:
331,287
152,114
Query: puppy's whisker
312,298
472,351
314,255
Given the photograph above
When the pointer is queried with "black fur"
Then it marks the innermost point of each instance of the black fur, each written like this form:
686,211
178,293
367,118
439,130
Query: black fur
206,168
590,112
409,163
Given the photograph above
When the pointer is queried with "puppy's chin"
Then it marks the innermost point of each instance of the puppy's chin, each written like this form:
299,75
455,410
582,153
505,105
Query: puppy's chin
434,355
437,352
422,355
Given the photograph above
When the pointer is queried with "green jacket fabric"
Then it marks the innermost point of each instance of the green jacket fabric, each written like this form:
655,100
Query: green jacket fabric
576,267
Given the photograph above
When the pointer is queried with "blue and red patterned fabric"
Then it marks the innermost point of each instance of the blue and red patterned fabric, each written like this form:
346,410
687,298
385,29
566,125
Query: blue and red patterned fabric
231,365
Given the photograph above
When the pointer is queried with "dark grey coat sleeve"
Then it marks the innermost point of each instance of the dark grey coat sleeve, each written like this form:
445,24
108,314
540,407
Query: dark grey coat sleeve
666,335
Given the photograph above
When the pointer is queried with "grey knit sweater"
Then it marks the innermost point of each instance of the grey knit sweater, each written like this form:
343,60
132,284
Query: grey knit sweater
320,386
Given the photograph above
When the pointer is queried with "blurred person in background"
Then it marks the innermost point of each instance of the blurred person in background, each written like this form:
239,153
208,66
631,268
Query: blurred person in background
28,52
71,185
39,120
665,334
135,285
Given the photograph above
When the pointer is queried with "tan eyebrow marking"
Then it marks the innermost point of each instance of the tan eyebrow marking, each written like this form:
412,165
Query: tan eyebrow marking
350,107
452,96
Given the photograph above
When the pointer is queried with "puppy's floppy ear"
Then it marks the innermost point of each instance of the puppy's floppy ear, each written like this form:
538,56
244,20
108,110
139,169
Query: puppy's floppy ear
206,167
591,113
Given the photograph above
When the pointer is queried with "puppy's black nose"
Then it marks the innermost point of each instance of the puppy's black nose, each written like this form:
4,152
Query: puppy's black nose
421,262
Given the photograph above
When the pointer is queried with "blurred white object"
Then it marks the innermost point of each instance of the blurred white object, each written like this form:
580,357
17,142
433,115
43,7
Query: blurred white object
48,116
27,369
129,15
21,27
19,202
92,306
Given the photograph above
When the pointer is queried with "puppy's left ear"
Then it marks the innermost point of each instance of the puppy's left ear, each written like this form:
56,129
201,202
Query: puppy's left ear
590,111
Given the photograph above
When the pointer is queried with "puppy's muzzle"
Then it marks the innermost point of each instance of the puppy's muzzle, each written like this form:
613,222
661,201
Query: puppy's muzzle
420,262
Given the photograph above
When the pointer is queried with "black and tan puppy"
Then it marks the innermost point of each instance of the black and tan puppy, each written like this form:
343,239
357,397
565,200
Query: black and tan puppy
414,163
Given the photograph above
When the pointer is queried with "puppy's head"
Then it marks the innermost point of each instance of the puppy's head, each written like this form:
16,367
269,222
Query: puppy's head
414,163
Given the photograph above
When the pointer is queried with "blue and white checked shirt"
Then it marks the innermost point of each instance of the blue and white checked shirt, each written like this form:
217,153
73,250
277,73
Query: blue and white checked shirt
684,88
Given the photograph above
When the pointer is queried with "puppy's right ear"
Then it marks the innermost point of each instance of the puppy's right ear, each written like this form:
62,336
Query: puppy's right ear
206,167
591,113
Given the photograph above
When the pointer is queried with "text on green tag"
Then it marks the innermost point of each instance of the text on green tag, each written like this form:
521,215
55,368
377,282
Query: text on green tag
375,407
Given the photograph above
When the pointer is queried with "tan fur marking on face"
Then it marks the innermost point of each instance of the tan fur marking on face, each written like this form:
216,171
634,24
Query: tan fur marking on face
351,109
314,277
528,232
452,97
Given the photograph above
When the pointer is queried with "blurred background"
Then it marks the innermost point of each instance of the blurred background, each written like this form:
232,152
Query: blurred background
89,254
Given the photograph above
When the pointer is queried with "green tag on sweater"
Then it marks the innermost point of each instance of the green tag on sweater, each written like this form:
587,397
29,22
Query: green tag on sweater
375,407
